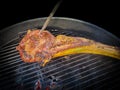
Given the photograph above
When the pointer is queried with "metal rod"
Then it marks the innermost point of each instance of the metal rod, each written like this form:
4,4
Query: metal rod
51,15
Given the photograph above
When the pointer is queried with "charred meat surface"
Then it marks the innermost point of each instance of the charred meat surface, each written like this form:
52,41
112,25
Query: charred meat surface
35,46
42,46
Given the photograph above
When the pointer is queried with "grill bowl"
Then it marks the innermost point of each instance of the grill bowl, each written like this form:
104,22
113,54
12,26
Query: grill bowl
83,71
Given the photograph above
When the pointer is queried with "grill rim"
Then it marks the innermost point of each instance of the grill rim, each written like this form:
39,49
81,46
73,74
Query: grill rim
57,18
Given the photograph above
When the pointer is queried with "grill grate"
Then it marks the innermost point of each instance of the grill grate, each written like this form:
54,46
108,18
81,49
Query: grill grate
84,71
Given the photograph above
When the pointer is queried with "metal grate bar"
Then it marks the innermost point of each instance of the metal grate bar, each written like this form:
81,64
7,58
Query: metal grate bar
91,74
55,62
23,75
76,70
8,52
111,70
22,71
34,75
8,68
87,82
11,62
104,82
14,61
27,74
16,69
101,75
9,47
9,42
28,78
79,69
9,55
62,59
75,61
28,70
43,73
25,66
100,82
32,72
31,79
13,57
56,69
38,76
22,63
93,61
15,75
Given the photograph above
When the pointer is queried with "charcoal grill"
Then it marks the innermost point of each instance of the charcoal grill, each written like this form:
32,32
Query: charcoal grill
78,72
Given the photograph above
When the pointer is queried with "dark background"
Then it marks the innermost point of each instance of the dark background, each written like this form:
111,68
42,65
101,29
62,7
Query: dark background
100,13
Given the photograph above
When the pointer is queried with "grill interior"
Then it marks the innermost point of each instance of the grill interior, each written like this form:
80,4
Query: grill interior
79,72
74,71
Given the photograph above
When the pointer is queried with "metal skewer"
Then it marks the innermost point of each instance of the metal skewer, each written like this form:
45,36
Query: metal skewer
48,20
50,16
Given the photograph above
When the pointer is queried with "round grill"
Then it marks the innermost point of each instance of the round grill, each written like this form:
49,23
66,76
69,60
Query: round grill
79,72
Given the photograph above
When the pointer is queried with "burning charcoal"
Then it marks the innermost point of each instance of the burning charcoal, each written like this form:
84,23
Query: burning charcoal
38,85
